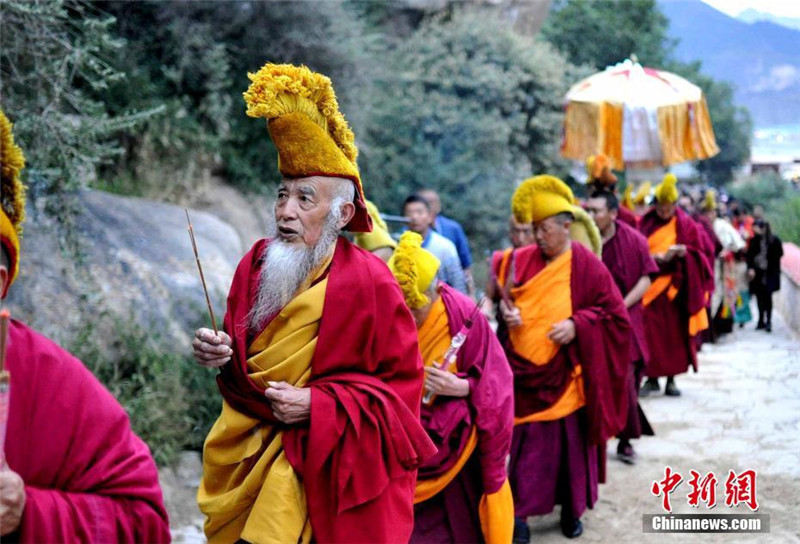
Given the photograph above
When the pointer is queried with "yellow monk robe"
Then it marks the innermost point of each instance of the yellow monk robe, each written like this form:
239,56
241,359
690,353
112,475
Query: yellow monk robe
659,243
496,510
249,488
543,301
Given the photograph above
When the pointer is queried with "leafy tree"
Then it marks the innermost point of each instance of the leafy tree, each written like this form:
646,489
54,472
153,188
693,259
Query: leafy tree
194,58
54,58
468,107
602,33
781,201
733,126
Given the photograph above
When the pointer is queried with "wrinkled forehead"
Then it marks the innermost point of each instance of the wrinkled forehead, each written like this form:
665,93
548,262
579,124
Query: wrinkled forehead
312,185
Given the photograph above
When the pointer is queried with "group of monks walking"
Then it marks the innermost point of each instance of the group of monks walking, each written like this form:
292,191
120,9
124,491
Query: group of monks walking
363,398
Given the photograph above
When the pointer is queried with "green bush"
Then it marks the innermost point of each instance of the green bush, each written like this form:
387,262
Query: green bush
171,401
760,189
469,107
780,200
785,219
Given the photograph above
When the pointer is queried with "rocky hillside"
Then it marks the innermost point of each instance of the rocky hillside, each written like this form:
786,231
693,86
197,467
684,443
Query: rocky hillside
137,265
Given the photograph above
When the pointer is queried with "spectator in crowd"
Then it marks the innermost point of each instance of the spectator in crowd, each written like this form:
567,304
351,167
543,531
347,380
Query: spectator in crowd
420,220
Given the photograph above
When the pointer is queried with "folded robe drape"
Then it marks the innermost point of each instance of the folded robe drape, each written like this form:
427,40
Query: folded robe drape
478,425
357,457
675,304
87,477
601,346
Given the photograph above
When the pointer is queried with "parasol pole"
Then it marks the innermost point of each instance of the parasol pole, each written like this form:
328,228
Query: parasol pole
200,269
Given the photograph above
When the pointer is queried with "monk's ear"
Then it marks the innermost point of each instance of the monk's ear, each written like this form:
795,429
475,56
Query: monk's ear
348,211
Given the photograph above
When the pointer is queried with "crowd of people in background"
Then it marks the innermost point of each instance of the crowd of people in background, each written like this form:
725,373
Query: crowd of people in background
686,262
746,256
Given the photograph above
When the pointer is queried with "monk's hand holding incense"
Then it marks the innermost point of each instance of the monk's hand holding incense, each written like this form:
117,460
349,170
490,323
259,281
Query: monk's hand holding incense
12,500
211,350
290,404
511,315
562,332
442,382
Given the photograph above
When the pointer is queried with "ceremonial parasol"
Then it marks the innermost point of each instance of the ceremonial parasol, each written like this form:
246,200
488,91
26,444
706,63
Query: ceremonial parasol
637,116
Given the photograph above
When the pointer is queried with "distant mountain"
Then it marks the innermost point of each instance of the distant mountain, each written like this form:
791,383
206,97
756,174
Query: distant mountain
761,59
751,15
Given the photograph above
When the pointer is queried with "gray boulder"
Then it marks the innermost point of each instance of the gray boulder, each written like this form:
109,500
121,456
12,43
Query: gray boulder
137,267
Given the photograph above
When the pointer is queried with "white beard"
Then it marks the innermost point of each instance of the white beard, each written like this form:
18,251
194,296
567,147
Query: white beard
286,269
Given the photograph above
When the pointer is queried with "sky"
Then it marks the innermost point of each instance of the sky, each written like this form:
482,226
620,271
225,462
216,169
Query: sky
782,8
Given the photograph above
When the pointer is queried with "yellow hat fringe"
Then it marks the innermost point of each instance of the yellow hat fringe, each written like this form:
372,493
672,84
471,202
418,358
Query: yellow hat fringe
627,198
667,191
280,89
585,231
710,200
642,193
404,266
596,165
521,199
12,161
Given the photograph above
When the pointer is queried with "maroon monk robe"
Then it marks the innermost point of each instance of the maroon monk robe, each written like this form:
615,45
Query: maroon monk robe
494,265
627,257
559,462
452,514
601,347
87,477
713,247
666,321
628,217
553,463
358,456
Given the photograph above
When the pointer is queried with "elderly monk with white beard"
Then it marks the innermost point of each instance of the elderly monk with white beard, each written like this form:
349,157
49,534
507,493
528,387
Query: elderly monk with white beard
319,436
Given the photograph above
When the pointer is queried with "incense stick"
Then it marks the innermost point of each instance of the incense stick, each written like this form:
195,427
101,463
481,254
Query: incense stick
5,384
200,269
4,316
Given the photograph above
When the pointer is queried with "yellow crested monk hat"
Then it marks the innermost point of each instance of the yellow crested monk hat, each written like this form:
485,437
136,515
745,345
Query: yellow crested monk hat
710,201
12,197
598,168
414,268
379,237
667,190
627,197
306,126
642,193
540,197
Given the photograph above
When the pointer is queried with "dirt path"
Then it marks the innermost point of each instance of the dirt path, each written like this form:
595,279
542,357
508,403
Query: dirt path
741,411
